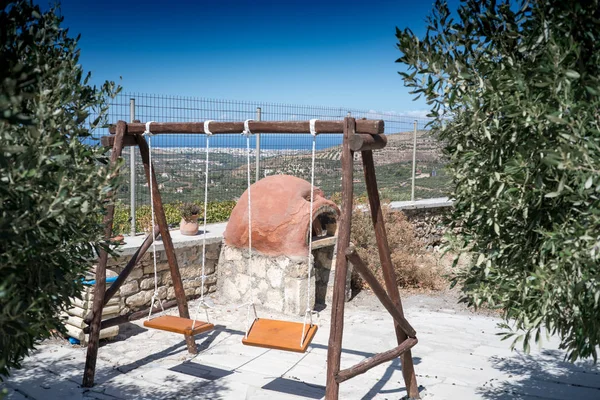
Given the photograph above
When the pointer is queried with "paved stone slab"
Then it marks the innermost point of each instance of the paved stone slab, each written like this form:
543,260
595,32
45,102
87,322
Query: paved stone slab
40,383
12,393
459,356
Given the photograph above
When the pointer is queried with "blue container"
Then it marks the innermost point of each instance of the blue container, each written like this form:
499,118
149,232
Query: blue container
93,281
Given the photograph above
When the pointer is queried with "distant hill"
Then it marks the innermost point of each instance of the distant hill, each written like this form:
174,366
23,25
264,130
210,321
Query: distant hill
398,150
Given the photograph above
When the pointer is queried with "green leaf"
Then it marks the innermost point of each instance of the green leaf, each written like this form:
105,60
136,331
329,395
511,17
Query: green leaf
556,119
591,90
572,74
499,191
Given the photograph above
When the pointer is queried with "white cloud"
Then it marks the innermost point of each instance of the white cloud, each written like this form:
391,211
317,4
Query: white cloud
374,114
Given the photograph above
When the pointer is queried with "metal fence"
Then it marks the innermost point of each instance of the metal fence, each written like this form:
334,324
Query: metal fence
179,159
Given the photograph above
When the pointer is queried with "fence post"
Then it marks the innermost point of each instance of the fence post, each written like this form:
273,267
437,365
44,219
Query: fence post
258,115
132,172
414,163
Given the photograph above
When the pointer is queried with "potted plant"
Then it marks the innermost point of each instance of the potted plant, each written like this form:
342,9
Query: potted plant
189,219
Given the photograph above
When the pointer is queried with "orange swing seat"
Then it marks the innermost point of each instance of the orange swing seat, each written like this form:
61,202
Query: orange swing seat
279,335
171,323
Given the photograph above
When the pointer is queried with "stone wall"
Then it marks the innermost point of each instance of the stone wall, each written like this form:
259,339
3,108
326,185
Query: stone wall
427,217
278,283
136,293
428,224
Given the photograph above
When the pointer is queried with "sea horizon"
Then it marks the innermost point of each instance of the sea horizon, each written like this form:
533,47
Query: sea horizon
292,142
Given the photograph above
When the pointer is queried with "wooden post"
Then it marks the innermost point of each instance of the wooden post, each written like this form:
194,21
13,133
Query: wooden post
334,350
389,275
100,287
161,220
365,141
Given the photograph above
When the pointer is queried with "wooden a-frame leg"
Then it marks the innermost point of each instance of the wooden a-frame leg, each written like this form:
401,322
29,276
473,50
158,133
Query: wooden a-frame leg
100,287
334,350
408,370
161,220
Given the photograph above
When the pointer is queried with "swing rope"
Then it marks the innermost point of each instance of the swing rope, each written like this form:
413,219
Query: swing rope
149,134
308,312
202,302
247,133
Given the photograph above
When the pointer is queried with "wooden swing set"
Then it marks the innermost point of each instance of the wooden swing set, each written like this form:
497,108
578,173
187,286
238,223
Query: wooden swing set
358,135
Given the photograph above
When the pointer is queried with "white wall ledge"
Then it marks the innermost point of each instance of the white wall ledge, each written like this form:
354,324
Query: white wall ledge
214,234
421,204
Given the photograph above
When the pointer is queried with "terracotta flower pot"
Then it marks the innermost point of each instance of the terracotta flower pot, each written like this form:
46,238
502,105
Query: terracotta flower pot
189,228
120,239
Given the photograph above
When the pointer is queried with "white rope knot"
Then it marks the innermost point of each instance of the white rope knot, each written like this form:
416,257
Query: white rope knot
206,127
147,131
313,129
247,132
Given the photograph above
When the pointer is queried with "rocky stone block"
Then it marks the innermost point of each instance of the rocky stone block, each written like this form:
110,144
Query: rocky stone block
148,283
138,299
275,276
129,288
212,251
136,273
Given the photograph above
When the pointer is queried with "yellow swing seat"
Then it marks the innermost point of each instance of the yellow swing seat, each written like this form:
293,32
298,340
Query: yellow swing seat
171,323
279,335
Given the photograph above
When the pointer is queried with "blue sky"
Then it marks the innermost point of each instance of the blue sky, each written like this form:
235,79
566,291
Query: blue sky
329,53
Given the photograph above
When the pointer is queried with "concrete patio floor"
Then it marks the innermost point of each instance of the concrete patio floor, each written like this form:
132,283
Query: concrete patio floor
459,356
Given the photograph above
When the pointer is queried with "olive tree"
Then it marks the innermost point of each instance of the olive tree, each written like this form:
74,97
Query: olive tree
514,90
52,184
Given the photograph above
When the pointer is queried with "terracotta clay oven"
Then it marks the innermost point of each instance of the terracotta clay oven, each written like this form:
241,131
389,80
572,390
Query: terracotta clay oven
278,275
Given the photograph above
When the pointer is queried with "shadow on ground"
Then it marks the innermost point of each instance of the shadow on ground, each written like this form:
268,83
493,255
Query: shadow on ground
60,376
42,384
545,376
126,330
203,344
378,388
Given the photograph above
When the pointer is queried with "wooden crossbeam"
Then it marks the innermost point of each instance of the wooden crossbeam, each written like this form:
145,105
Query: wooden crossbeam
363,142
379,291
370,126
109,141
374,361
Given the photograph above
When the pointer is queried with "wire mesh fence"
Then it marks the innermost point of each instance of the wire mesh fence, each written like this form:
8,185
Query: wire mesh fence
179,159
